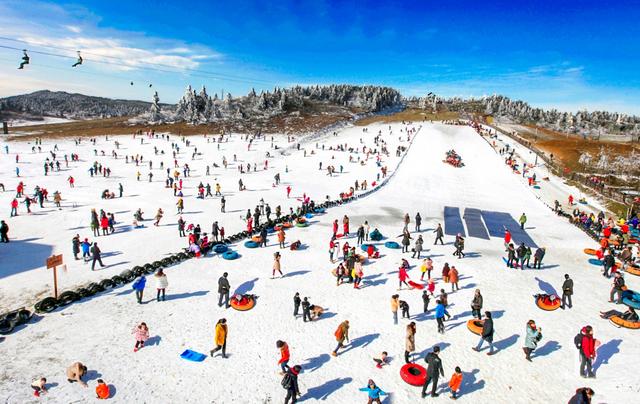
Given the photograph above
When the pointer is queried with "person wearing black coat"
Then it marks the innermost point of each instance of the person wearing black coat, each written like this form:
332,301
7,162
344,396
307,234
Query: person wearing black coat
306,310
296,304
618,287
360,234
567,291
95,255
263,237
487,334
223,290
75,246
439,235
425,301
537,257
293,391
583,396
608,262
4,234
434,371
418,221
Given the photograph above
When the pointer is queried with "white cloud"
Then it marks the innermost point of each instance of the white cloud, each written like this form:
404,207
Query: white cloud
73,28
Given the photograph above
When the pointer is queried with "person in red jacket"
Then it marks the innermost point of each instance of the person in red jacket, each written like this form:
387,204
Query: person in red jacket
402,276
14,207
288,190
104,225
587,347
335,227
284,355
507,237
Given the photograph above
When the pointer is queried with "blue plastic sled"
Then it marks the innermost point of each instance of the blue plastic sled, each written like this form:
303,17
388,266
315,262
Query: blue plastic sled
193,356
595,261
365,247
515,265
392,244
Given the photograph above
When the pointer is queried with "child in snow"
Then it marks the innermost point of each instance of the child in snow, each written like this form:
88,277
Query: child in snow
404,306
39,386
381,360
141,332
102,390
425,301
431,286
374,392
284,355
455,382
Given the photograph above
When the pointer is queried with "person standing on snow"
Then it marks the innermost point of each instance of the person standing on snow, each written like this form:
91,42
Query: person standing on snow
441,311
220,338
141,332
95,254
523,220
476,305
341,334
345,225
455,382
406,222
276,265
487,334
290,383
395,303
618,287
284,356
533,336
418,247
75,246
537,257
223,290
583,396
434,371
410,341
162,283
296,304
138,286
586,345
405,241
425,301
306,310
418,221
567,291
439,235
453,278
360,234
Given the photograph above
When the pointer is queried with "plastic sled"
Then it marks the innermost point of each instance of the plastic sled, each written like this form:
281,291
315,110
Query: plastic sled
595,261
193,356
416,285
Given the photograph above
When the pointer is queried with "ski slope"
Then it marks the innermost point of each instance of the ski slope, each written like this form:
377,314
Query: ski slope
97,331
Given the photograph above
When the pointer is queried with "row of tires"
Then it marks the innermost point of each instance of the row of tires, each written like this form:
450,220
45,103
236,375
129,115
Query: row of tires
13,319
49,304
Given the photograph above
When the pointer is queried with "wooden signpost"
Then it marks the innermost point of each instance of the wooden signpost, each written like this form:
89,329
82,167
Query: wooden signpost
53,262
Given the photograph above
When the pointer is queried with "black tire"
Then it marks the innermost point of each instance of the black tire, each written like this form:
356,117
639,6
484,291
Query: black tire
12,317
166,262
92,289
107,284
46,305
83,292
24,316
157,264
117,280
128,275
68,297
191,254
137,271
6,326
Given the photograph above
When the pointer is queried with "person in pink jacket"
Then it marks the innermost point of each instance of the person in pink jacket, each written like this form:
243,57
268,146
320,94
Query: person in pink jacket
402,276
141,333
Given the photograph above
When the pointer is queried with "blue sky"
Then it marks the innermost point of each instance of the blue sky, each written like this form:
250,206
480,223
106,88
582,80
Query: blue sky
564,54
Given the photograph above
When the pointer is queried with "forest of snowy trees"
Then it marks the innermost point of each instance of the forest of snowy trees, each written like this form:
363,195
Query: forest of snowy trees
593,123
200,107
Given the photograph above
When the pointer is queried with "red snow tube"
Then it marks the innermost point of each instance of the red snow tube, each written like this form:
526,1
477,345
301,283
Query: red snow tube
546,303
413,374
475,326
242,302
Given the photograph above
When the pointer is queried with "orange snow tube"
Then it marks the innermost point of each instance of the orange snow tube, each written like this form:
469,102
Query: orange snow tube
475,326
546,303
634,325
633,270
257,239
590,251
242,302
413,374
285,225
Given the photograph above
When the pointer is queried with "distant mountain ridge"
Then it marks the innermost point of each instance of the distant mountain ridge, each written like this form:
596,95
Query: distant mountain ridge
69,105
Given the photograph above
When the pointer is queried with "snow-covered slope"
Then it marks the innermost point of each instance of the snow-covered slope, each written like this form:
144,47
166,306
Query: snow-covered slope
97,331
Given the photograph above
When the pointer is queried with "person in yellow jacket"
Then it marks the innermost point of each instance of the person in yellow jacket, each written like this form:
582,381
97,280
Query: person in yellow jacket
394,308
220,338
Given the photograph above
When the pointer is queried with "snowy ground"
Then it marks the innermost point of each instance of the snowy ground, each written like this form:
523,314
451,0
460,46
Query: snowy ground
96,331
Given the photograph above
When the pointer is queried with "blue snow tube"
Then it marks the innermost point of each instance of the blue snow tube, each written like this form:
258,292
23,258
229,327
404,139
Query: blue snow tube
392,244
536,187
365,247
308,215
220,248
230,255
375,235
595,261
250,244
319,210
631,299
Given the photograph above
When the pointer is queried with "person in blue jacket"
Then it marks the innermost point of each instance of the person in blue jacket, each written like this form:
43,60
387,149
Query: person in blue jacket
138,286
374,392
441,311
86,246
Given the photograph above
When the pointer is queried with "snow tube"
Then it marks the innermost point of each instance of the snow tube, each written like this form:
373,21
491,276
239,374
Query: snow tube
68,297
6,326
475,326
257,239
595,261
308,216
285,225
631,299
106,283
616,320
413,374
250,244
46,305
83,292
633,270
301,222
156,264
546,303
166,262
319,210
220,248
365,247
242,302
392,244
375,235
230,255
117,280
633,241
589,251
127,275
536,187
